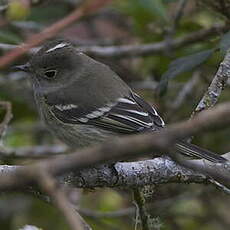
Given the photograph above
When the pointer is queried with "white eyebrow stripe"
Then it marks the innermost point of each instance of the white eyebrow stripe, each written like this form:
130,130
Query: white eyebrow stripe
60,45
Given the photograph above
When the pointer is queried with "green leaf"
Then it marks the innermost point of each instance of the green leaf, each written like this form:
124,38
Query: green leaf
225,42
182,65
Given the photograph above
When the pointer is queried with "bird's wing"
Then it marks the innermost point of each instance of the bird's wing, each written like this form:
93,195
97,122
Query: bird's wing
125,115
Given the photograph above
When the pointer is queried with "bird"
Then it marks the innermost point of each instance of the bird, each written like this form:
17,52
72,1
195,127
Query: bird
83,102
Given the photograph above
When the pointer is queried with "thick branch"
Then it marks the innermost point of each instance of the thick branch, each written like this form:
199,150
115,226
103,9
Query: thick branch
130,174
126,174
121,148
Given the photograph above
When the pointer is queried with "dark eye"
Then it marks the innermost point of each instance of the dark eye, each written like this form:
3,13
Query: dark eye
50,74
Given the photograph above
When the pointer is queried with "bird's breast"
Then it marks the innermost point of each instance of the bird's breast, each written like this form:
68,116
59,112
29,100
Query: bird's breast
74,135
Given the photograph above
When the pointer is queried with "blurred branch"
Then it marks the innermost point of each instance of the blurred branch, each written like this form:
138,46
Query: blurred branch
32,152
184,92
220,6
127,147
154,48
139,50
50,187
171,30
113,214
160,205
86,8
8,115
179,13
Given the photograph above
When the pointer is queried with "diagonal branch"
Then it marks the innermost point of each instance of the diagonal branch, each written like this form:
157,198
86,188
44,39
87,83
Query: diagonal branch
49,185
87,8
8,116
216,87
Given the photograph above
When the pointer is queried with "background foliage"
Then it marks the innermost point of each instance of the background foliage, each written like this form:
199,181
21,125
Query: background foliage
159,78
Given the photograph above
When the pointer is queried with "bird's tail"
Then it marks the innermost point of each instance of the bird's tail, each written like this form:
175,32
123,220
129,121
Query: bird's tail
192,150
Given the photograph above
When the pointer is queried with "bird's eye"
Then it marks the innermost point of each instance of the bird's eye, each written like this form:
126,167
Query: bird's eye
50,74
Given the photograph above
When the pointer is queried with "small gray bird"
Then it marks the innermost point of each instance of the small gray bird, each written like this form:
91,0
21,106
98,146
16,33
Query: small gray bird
83,101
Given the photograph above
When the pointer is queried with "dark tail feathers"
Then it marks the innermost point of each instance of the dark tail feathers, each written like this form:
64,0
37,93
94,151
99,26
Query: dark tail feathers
195,151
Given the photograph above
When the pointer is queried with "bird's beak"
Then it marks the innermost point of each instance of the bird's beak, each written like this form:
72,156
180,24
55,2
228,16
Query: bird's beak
24,68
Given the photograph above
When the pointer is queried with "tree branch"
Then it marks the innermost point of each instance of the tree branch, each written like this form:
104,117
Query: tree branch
8,116
160,170
151,49
217,85
32,152
87,8
126,174
123,148
49,185
140,50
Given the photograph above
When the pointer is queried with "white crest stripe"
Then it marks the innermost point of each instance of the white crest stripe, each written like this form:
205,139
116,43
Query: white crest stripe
60,45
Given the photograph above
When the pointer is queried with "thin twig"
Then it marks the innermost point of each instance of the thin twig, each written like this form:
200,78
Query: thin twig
170,31
216,87
185,91
152,48
140,50
179,12
141,201
8,116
